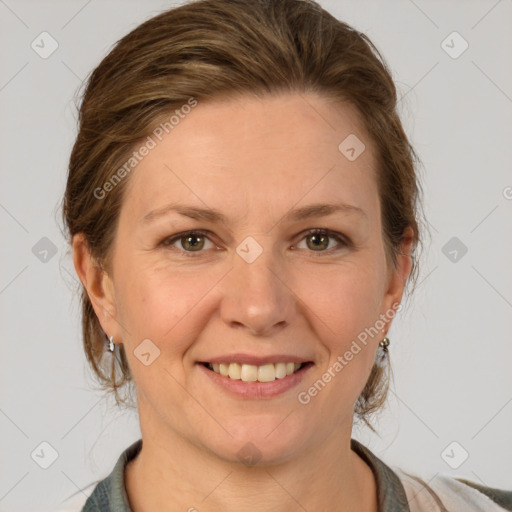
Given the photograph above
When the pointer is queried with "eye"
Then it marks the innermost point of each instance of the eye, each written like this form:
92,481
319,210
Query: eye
319,240
316,240
190,241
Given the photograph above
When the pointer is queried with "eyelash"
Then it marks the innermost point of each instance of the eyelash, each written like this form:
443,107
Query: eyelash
341,239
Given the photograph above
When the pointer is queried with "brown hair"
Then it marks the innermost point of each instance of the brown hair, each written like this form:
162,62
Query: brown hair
206,49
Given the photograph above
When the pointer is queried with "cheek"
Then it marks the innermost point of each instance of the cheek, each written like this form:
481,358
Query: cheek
161,304
344,317
346,300
347,313
157,306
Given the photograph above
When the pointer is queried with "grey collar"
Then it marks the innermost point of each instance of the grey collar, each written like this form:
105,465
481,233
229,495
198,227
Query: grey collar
110,494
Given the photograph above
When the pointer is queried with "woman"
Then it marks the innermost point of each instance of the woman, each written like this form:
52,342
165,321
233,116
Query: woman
242,206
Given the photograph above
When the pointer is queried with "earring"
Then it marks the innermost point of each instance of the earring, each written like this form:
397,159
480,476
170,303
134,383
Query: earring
382,354
384,344
110,344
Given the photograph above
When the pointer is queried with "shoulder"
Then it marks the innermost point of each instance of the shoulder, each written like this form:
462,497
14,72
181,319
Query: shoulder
444,492
107,495
499,496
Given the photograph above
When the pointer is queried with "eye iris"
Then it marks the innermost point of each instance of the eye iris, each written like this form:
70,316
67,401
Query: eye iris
318,241
192,242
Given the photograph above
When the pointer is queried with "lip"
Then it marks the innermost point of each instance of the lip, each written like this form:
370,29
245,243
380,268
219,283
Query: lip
255,390
256,360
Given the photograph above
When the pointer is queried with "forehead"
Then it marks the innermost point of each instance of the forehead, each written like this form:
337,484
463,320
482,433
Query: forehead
250,153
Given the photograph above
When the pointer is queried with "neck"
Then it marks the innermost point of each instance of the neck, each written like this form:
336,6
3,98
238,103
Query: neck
172,474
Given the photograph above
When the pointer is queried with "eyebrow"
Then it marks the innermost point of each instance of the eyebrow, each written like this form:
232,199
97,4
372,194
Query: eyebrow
212,215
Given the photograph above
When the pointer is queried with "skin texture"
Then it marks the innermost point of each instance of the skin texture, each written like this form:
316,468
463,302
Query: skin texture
255,160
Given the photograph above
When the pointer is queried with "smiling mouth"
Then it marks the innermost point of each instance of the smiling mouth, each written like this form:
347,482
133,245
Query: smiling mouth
252,373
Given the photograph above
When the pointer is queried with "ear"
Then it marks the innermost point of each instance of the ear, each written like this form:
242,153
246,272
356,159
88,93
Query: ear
398,275
98,284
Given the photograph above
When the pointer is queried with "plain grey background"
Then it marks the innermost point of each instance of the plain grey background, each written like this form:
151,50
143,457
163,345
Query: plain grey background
451,349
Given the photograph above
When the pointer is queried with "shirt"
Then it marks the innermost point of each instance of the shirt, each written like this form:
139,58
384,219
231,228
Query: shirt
397,491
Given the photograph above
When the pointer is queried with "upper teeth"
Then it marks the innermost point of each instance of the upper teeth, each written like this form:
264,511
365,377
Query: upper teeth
253,373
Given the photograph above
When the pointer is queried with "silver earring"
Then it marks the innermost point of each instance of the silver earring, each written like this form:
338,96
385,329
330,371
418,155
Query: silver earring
110,344
384,344
382,354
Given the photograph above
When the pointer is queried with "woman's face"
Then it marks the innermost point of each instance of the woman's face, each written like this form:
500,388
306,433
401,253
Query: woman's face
249,285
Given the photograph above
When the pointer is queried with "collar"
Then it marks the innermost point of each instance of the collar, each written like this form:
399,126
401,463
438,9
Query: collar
109,495
391,495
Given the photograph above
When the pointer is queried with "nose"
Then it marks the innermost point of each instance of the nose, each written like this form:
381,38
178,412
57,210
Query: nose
256,296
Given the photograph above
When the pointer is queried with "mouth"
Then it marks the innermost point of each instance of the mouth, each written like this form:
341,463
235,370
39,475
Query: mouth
253,373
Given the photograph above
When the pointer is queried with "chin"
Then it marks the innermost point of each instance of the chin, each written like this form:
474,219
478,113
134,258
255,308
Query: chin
260,440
